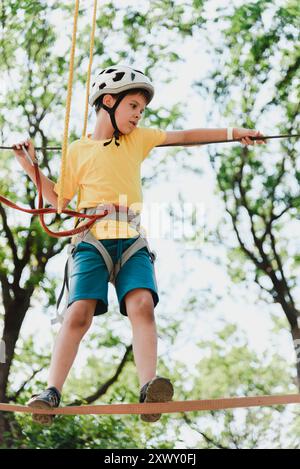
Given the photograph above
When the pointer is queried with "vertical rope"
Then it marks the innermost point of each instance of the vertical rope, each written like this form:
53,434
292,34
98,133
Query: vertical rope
88,80
68,106
87,91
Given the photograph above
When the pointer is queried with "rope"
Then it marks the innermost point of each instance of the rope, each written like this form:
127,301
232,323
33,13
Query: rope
68,107
264,137
88,80
160,407
42,211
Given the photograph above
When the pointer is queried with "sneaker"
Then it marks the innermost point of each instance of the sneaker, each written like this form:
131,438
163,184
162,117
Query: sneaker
45,400
157,390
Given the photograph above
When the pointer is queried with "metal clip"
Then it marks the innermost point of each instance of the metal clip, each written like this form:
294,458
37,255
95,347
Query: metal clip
153,256
70,248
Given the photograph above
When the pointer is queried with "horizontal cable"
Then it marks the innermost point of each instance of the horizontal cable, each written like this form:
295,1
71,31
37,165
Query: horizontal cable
261,137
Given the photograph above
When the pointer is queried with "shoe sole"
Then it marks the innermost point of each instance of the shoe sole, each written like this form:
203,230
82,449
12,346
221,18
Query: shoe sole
42,419
159,390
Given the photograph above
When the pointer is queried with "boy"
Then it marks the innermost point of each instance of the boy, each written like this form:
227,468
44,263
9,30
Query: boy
106,165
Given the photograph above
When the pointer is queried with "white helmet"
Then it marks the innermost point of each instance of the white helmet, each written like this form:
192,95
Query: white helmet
114,80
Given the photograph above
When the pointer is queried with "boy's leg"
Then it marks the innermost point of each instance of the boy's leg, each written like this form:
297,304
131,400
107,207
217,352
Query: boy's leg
140,311
76,323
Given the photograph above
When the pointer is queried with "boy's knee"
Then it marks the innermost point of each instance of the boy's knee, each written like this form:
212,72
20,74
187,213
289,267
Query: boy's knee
79,315
139,305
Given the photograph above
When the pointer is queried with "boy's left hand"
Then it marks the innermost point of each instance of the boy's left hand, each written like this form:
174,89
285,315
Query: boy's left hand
244,134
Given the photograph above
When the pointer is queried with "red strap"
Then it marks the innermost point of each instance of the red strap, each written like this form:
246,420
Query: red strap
41,211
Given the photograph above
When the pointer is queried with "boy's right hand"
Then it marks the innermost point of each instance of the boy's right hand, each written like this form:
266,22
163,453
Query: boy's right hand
20,154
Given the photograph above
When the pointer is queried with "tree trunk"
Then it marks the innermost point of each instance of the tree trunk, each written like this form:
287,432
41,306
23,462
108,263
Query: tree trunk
12,324
295,331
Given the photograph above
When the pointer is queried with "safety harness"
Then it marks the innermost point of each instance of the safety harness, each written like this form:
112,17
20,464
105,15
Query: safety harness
114,212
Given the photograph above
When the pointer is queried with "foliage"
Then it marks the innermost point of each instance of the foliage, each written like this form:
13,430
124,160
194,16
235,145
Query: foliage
258,193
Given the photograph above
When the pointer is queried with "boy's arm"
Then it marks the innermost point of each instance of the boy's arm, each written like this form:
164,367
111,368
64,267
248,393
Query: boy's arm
204,135
194,135
47,187
47,184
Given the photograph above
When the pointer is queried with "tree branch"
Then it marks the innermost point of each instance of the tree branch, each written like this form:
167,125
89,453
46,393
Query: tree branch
5,285
13,397
258,243
103,389
9,235
204,435
280,267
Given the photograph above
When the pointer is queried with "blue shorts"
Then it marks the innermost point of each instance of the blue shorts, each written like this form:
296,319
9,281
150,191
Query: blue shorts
89,277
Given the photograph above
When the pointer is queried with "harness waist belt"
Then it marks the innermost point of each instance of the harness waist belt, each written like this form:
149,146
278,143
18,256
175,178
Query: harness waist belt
113,268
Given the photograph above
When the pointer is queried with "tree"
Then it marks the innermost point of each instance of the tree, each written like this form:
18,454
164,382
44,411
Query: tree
35,74
36,95
255,82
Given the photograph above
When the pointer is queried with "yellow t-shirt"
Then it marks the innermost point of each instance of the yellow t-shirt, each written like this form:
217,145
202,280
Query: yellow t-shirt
109,174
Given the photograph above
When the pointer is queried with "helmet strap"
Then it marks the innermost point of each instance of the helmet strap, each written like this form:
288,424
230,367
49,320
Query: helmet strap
111,112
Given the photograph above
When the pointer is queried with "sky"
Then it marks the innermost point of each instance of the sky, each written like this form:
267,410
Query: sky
196,270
